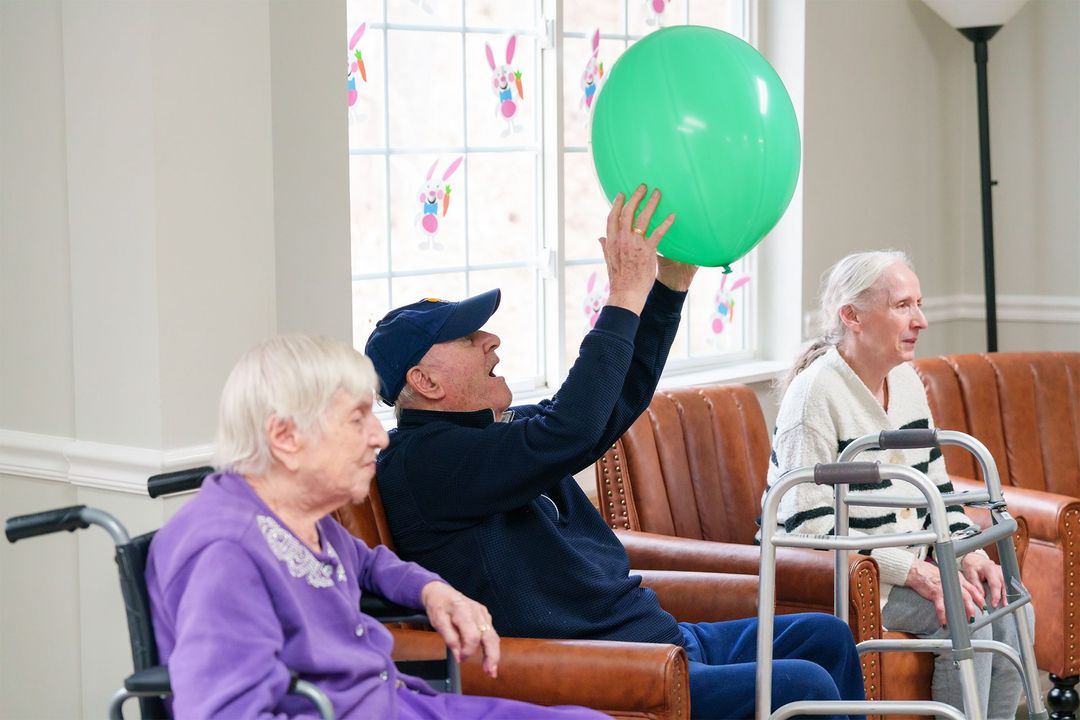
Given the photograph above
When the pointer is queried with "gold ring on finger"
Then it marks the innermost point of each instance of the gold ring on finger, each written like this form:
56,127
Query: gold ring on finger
638,231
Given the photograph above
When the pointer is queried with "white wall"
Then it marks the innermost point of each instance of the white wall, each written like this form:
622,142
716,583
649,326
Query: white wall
892,160
172,189
173,186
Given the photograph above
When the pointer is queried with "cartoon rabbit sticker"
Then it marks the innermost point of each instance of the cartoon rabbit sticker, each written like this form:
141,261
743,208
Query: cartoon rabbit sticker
724,303
655,10
431,193
356,68
595,299
504,80
592,74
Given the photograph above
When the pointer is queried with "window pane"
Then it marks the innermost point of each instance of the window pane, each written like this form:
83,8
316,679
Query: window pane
367,205
365,95
718,317
648,15
502,207
371,300
424,12
498,113
584,295
724,14
448,286
425,99
517,321
586,208
520,14
582,17
421,236
579,65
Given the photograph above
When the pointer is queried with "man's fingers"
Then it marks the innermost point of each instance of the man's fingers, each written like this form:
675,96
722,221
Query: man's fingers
645,216
626,217
658,234
613,215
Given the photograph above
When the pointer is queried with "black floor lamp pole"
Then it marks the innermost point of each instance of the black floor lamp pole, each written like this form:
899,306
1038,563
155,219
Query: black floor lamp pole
980,36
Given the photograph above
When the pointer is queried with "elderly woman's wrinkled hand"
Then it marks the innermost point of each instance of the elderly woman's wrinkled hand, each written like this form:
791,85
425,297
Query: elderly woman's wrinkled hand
464,624
980,570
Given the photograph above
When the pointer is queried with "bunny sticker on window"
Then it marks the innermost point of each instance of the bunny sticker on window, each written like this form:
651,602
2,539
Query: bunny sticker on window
724,303
655,11
595,299
594,71
504,81
432,193
356,70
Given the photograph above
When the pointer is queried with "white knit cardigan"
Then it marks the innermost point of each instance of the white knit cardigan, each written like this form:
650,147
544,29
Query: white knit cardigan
825,408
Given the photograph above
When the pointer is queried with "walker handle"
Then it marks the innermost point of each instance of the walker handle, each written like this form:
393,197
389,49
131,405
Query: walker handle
44,523
847,473
907,439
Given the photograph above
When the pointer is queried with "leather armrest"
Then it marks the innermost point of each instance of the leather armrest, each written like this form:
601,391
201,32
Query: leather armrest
701,596
631,680
804,578
1044,512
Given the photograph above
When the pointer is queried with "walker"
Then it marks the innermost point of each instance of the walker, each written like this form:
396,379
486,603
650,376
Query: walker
947,549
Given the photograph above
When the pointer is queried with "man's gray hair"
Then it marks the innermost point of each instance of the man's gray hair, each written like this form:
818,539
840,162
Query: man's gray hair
292,377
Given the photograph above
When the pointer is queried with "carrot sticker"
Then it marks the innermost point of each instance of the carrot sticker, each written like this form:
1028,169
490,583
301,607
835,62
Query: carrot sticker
446,200
517,82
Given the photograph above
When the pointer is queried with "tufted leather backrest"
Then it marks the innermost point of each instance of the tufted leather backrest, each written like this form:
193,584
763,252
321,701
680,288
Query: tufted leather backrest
693,465
1024,406
367,520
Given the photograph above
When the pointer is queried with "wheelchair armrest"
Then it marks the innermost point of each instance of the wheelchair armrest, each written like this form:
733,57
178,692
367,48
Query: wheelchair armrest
388,612
149,680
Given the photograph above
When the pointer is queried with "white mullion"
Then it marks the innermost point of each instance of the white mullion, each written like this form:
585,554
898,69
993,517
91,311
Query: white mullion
386,161
554,213
461,27
465,136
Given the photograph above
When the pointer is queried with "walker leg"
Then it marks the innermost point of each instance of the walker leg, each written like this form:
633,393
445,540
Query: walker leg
1062,698
968,689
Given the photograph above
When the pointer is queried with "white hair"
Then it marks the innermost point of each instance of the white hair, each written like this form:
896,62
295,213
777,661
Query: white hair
849,282
292,377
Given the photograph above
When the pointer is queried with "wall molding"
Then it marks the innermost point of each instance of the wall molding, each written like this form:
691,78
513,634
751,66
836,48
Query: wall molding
83,463
1063,309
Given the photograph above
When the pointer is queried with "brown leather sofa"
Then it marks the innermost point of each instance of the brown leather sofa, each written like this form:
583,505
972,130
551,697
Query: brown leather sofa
1025,407
625,680
694,465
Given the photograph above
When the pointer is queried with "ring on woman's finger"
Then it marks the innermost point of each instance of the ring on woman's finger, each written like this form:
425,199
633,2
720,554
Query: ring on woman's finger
483,629
638,231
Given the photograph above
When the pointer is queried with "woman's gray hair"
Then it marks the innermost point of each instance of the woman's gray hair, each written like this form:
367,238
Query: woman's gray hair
848,282
293,377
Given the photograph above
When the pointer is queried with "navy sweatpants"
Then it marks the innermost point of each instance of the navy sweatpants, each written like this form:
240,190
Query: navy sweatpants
814,658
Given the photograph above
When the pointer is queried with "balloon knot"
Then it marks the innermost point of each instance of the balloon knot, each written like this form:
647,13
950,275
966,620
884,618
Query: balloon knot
727,269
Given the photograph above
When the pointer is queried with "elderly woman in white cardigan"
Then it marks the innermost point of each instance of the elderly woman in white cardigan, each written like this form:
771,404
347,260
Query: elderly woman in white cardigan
855,380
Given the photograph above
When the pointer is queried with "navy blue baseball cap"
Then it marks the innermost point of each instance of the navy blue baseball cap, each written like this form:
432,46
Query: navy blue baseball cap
405,335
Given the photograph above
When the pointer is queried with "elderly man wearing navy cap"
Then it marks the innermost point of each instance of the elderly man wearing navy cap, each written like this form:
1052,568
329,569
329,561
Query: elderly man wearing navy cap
484,494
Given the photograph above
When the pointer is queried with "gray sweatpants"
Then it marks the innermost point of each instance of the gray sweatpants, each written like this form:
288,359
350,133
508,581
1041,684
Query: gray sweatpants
997,682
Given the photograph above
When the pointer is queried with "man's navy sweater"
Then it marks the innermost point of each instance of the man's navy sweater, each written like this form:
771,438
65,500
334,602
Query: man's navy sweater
493,507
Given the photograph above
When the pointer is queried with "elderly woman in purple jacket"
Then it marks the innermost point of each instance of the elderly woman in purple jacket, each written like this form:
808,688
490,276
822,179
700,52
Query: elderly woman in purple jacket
252,578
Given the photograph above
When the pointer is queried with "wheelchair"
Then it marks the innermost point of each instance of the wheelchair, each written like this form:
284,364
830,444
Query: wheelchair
150,680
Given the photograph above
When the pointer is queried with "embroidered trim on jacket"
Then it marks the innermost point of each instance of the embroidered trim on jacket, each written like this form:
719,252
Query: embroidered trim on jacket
300,561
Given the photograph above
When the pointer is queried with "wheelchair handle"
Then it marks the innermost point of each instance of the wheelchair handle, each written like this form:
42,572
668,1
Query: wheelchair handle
44,523
177,482
908,439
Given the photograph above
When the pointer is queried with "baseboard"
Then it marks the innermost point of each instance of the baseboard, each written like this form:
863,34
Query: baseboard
118,468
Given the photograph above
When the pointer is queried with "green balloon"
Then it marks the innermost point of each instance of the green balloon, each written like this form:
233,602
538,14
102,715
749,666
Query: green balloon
700,114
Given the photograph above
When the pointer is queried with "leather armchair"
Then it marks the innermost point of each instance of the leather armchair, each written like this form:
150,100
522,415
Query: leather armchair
625,680
683,487
1025,407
